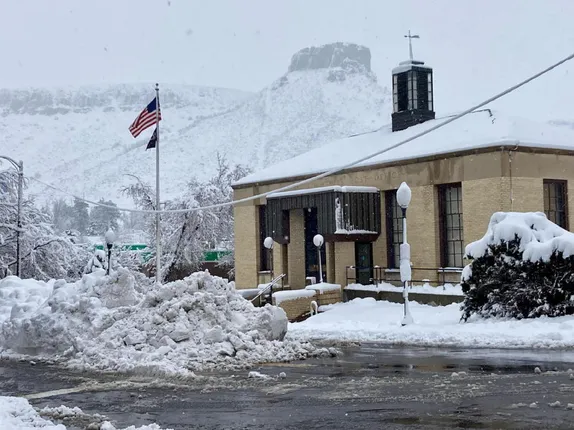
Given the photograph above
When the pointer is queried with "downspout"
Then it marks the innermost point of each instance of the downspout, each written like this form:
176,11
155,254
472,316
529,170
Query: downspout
510,177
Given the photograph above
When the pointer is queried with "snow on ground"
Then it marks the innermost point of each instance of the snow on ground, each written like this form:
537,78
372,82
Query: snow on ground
117,324
426,288
369,320
17,414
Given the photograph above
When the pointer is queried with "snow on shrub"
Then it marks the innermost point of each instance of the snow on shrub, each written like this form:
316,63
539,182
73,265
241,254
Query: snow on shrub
523,267
120,324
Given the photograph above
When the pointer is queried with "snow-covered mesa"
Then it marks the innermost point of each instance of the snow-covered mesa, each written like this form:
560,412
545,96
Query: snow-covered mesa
123,323
368,320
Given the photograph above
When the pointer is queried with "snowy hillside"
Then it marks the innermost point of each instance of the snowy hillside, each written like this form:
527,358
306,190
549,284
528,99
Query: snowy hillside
77,138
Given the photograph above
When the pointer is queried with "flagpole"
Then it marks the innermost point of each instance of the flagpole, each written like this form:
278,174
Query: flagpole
157,217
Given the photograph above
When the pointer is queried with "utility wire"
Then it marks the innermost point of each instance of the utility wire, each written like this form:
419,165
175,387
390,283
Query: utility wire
336,169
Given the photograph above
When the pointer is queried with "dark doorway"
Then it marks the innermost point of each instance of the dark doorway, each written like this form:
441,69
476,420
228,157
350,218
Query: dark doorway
364,262
311,254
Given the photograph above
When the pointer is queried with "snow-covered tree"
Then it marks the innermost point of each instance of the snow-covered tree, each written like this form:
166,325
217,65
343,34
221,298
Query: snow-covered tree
44,253
522,268
102,218
63,215
81,216
185,236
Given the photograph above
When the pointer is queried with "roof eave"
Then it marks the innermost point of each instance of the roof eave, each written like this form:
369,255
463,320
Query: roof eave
509,143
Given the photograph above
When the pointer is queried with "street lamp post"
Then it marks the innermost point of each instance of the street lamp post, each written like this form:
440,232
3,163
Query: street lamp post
403,199
268,243
110,237
19,166
318,240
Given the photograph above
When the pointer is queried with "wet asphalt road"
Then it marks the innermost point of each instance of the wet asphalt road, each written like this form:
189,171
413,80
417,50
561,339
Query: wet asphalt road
367,387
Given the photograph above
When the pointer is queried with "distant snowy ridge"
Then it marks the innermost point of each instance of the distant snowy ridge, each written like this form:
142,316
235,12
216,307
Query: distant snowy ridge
77,138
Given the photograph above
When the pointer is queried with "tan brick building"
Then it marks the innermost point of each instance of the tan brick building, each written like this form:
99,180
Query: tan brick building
459,176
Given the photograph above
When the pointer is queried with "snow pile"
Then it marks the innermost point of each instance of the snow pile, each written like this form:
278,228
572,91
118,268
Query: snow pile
19,296
110,323
539,238
17,414
369,320
426,288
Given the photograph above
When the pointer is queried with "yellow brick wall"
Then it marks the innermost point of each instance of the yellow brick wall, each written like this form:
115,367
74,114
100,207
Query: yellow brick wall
527,195
480,199
344,256
422,226
329,297
296,307
380,245
296,250
330,263
246,253
277,259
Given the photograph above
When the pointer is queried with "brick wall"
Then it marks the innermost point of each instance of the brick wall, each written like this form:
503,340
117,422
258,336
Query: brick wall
294,308
246,254
480,199
329,297
330,263
344,256
422,227
296,250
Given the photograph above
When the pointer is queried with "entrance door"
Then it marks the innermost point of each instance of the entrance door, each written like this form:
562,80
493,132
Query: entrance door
363,262
311,254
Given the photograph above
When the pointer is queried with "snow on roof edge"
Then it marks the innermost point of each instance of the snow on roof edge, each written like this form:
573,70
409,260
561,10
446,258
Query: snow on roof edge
491,131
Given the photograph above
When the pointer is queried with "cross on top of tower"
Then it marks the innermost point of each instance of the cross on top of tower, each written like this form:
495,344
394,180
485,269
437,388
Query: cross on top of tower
411,37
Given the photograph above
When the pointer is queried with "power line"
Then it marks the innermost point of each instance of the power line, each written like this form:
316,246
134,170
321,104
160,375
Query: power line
336,169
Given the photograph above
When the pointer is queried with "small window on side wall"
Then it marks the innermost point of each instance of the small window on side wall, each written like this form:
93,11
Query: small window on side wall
555,194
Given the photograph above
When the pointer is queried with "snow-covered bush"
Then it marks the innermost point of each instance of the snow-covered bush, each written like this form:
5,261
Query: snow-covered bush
522,268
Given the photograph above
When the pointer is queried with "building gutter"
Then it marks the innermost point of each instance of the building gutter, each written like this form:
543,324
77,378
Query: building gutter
508,144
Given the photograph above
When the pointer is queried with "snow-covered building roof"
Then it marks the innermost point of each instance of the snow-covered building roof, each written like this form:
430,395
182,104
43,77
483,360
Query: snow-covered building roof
479,130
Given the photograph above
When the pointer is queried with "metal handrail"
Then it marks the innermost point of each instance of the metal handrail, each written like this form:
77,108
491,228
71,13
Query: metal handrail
268,286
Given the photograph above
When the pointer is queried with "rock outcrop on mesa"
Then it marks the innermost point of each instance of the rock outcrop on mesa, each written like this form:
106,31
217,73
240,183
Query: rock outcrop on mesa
339,54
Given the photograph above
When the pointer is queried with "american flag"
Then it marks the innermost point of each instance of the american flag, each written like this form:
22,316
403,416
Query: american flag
145,119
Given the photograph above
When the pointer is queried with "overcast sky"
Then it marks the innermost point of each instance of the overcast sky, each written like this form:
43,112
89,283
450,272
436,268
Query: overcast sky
476,47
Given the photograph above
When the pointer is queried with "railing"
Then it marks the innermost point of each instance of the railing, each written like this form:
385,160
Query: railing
437,275
269,289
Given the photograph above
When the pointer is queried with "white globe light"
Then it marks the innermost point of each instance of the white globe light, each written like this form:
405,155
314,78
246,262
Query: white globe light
110,236
268,242
404,195
318,240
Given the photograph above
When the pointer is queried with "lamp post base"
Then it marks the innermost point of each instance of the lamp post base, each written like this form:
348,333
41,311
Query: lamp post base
407,317
407,320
